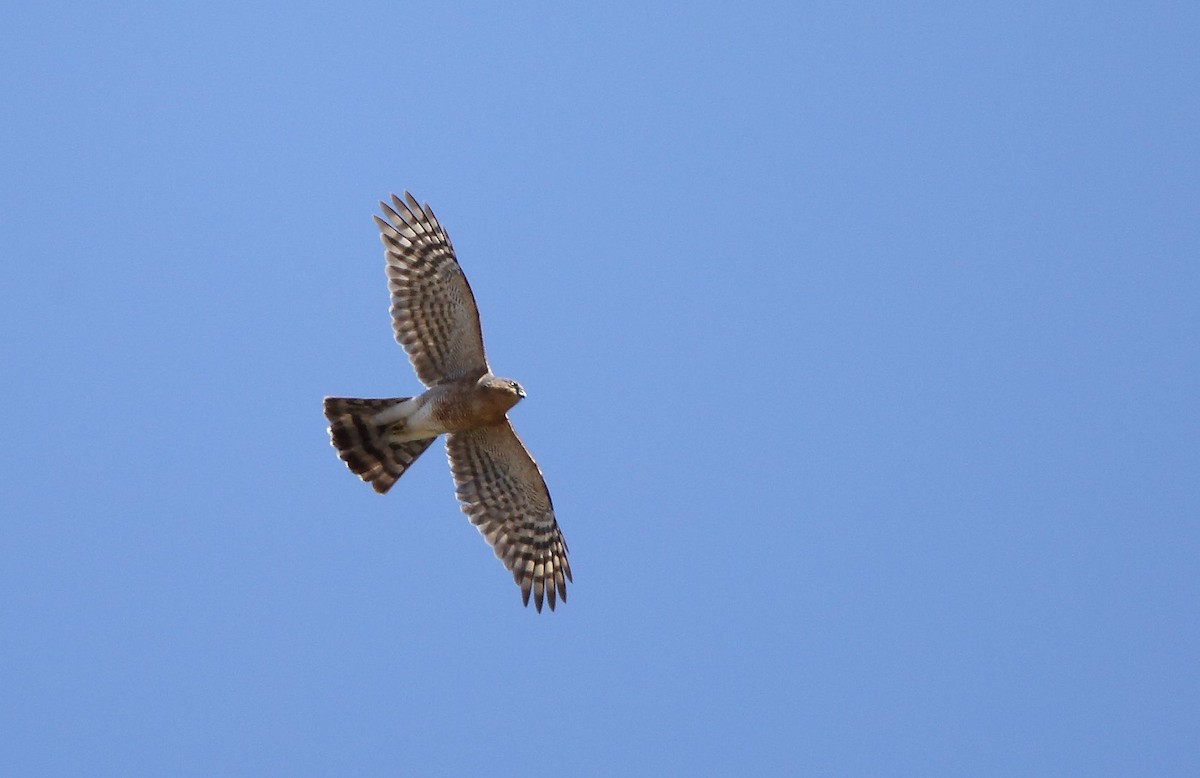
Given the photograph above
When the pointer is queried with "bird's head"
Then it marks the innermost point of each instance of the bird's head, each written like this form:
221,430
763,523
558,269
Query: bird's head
505,389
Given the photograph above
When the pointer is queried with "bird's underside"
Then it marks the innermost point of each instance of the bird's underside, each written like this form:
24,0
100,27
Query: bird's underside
500,486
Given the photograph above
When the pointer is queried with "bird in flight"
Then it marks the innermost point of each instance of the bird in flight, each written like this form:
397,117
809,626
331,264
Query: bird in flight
435,319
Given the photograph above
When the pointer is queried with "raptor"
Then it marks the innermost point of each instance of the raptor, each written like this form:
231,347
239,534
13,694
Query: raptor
435,319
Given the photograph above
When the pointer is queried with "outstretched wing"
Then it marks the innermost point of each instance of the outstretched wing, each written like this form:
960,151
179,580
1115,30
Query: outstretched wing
505,496
433,311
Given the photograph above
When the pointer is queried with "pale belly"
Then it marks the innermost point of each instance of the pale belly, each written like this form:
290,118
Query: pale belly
438,411
410,419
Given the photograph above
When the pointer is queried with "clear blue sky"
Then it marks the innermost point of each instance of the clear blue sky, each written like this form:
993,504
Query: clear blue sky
862,345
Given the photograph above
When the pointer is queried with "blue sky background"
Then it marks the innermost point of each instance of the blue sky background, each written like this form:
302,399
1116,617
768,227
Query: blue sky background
861,344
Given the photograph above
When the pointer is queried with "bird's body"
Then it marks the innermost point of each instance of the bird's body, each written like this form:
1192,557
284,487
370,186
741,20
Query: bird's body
451,407
434,317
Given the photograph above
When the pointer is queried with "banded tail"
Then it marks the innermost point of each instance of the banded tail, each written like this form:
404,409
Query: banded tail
366,447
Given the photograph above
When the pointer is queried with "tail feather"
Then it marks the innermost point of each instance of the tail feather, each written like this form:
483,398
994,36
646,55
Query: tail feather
366,447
